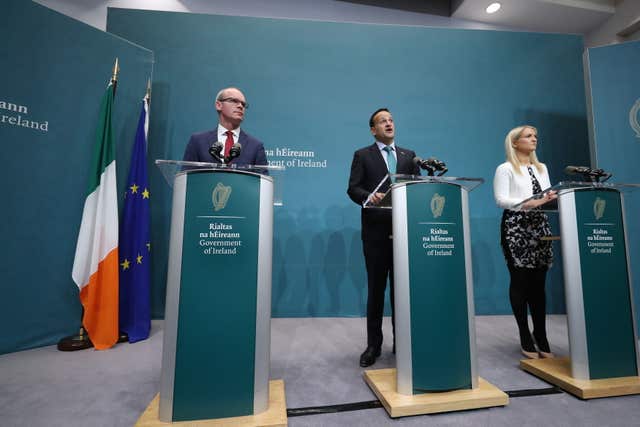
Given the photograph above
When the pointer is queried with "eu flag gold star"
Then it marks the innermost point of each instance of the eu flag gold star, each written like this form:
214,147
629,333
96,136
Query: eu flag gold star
125,264
134,188
139,259
145,194
149,246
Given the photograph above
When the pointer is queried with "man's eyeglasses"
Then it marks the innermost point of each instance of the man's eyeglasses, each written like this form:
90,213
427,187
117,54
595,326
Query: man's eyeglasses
235,101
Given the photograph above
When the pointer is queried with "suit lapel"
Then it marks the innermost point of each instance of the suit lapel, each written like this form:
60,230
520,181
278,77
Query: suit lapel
404,160
211,137
376,155
242,138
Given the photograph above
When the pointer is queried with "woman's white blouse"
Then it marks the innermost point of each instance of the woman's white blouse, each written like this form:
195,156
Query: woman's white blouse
510,188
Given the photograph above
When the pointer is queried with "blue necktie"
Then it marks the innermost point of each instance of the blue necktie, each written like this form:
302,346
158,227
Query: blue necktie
391,160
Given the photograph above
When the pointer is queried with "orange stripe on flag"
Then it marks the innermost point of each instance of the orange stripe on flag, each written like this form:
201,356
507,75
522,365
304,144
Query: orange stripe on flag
100,301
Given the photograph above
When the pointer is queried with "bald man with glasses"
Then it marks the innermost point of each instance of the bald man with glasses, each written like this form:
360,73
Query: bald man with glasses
231,106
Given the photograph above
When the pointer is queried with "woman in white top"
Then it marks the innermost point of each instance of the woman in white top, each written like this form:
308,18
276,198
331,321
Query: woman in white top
528,256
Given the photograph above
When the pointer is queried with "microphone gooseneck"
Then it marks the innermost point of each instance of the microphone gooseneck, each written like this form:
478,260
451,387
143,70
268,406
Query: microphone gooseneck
216,150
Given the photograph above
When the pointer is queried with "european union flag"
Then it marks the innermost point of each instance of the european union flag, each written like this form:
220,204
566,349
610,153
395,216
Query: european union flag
135,243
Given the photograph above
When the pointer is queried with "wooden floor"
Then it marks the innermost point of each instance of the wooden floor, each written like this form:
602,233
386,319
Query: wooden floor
558,371
383,383
275,416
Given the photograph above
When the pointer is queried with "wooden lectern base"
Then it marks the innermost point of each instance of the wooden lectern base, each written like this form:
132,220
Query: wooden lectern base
383,384
274,416
558,372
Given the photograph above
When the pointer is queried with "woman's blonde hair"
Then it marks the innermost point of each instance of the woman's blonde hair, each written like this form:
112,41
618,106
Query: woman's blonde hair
514,135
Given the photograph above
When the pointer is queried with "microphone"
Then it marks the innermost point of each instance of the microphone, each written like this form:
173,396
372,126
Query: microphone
577,170
431,165
234,152
593,175
423,164
437,164
215,150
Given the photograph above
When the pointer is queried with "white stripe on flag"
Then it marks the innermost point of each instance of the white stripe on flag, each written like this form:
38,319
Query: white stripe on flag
99,228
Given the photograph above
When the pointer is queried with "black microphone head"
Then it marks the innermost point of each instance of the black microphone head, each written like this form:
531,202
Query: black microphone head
235,150
417,161
216,149
438,164
570,170
574,170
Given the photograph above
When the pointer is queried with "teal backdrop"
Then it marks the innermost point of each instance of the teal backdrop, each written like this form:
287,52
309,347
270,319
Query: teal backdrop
615,103
54,70
312,86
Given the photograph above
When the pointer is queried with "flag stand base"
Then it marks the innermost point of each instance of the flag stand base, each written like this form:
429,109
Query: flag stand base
123,337
82,341
75,342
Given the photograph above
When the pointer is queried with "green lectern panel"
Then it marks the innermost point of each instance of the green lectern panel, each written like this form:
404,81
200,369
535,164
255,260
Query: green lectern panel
439,311
214,378
605,284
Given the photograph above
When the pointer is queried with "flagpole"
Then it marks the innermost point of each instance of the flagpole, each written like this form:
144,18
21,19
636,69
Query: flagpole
134,245
114,78
122,336
82,340
147,101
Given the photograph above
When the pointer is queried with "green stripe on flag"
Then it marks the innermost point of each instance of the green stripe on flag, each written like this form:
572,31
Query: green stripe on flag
104,148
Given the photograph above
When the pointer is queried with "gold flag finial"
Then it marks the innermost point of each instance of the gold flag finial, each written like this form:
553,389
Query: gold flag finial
116,69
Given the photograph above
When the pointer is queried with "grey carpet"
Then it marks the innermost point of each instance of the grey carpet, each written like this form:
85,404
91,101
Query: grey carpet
318,360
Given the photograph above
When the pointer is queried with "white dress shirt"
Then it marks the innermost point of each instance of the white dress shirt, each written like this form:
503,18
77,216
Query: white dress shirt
222,134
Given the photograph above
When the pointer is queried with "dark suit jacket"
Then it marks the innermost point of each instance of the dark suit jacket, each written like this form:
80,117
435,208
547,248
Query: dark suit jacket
198,149
367,170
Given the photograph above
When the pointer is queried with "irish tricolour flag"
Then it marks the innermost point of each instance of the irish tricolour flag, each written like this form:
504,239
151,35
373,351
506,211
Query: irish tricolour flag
95,267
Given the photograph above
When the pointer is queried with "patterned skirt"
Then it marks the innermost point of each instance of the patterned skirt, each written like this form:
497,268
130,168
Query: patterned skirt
520,237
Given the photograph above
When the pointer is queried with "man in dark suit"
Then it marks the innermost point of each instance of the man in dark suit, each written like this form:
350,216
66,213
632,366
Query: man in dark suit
369,167
231,106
